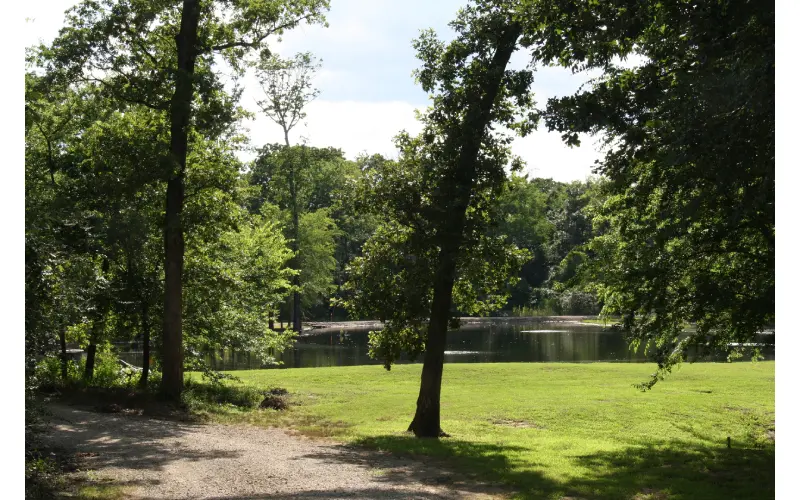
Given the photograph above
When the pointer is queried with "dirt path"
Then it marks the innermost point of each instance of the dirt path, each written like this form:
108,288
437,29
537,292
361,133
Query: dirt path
160,459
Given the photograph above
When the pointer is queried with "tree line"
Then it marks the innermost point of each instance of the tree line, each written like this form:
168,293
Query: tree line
142,222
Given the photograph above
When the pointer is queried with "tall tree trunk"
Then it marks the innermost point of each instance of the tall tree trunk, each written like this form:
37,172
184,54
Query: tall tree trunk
427,422
103,304
180,113
91,353
297,322
145,345
62,337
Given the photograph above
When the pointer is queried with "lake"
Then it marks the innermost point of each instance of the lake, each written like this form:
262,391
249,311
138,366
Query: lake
496,341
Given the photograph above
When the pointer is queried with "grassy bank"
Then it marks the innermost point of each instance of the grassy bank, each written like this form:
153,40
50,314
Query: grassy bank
555,430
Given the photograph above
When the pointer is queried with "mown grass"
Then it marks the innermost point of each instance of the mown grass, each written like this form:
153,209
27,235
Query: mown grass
553,430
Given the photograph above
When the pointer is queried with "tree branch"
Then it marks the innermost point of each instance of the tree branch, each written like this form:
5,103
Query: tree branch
256,41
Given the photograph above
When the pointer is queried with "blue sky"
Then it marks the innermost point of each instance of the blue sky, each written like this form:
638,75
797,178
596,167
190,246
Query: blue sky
367,93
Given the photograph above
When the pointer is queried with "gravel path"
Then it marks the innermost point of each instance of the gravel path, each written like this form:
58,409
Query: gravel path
163,459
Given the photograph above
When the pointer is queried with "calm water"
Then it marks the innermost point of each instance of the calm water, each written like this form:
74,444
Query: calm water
485,343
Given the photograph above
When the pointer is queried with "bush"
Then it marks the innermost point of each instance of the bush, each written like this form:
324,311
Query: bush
197,395
578,303
48,373
108,372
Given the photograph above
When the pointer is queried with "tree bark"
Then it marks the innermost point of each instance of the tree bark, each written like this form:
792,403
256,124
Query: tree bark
103,304
180,113
297,322
91,353
145,345
62,337
456,197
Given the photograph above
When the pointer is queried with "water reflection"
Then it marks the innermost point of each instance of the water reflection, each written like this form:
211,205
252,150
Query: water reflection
496,342
484,343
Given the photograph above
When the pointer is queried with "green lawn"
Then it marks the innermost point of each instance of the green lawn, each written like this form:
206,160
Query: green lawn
557,430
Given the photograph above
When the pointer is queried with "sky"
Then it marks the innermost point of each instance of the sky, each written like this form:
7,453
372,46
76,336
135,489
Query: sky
367,92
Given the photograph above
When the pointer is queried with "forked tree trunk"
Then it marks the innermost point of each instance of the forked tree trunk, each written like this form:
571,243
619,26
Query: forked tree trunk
180,113
427,422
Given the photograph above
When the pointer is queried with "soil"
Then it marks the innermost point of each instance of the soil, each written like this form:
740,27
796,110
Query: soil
169,459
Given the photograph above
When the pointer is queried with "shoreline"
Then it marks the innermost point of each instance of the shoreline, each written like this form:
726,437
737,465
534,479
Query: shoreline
316,327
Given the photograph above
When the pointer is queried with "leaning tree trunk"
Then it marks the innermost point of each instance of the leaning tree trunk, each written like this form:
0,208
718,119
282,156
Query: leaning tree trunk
180,113
456,197
426,421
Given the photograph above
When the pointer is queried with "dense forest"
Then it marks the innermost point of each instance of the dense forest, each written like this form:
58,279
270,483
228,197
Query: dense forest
143,223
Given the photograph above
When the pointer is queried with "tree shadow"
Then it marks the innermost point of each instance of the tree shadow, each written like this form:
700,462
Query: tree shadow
453,468
459,466
123,441
656,470
678,470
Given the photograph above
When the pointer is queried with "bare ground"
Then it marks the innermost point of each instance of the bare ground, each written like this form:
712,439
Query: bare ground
167,459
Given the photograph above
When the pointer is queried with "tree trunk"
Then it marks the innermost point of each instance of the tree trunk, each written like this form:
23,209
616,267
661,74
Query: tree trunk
62,337
426,421
297,322
91,351
145,345
180,113
456,197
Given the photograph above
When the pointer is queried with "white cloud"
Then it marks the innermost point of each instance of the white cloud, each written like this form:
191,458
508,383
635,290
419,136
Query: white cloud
368,127
546,156
353,126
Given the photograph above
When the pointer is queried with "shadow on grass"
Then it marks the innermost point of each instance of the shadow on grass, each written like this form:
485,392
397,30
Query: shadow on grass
654,471
459,466
658,471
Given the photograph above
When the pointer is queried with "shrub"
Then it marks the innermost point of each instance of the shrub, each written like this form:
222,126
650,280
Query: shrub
196,395
578,303
48,373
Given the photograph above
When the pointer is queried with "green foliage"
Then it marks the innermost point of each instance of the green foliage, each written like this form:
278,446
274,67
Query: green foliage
198,396
688,216
234,282
317,233
551,220
108,372
393,282
323,182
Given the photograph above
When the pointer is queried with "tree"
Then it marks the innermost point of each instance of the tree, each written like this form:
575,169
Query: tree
522,217
317,175
439,194
287,90
161,55
689,219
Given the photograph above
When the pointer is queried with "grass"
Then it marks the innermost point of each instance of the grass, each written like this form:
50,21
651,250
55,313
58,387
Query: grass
553,430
